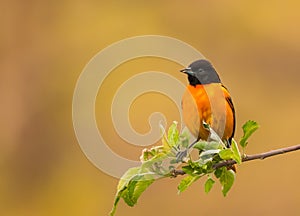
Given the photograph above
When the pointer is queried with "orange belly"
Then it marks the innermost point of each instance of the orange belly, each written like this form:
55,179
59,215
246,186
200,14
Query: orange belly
208,103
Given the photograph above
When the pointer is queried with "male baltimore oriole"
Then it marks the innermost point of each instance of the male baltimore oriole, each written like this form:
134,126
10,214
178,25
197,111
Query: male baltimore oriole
206,100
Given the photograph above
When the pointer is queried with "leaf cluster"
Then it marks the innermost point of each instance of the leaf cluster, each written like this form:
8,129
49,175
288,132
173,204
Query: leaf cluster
161,162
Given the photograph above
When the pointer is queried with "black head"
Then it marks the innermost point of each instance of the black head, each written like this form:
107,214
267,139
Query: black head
201,72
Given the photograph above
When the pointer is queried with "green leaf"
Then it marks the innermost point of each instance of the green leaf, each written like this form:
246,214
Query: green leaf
204,145
186,182
131,186
236,152
173,134
136,187
117,199
218,173
231,153
165,142
226,179
207,156
249,128
122,186
226,154
157,164
188,170
208,184
184,139
127,176
210,152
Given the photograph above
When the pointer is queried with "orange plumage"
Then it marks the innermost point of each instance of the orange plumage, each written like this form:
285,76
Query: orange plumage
212,104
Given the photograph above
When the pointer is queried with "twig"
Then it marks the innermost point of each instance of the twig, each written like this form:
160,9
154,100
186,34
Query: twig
176,173
245,158
260,156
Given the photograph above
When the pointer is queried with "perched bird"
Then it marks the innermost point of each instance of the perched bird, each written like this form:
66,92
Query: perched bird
207,102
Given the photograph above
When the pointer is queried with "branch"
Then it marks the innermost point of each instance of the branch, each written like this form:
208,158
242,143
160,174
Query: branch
260,156
245,158
176,173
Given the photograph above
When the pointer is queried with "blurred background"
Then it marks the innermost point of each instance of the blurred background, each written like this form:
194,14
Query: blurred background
255,46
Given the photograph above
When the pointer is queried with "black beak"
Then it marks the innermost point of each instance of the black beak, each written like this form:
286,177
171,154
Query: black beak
187,71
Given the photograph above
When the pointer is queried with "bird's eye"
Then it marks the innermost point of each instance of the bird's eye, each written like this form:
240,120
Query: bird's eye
201,70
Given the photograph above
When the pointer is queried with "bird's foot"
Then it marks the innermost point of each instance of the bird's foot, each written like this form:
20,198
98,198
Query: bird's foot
181,155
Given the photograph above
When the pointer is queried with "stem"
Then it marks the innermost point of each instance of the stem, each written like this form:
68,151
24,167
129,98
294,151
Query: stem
245,158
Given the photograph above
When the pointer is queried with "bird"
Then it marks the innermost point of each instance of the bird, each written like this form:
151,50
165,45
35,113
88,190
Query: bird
207,101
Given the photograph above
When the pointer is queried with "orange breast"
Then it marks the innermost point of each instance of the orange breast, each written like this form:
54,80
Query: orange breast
208,103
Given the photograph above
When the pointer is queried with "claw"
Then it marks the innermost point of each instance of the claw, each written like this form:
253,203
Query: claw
181,155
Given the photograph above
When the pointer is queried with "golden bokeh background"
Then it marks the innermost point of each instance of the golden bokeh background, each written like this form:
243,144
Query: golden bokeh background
255,46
